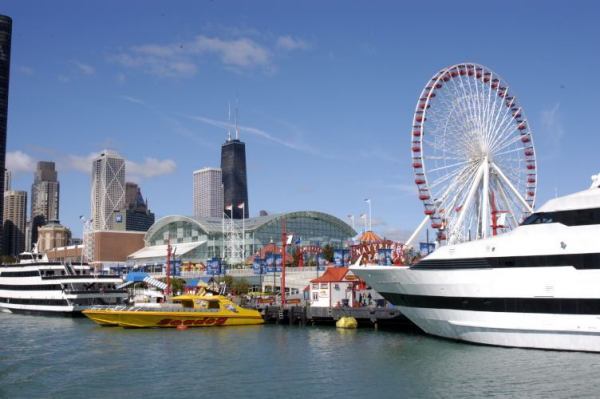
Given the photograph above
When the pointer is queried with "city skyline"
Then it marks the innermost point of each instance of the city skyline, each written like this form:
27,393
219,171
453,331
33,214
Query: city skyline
326,110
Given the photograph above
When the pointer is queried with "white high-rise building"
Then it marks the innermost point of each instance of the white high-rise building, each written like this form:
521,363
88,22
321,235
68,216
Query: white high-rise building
208,193
108,189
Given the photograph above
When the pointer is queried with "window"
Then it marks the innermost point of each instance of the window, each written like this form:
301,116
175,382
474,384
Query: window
576,217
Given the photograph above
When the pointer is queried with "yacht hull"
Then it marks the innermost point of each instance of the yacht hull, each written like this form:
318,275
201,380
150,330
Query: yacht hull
540,307
150,319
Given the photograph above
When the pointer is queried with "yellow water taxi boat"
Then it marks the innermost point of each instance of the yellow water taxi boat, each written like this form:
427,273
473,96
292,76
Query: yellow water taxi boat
184,311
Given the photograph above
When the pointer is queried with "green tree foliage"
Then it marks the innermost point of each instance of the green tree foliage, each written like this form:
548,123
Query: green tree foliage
328,253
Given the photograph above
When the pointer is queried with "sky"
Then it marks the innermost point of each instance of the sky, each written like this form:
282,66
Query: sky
325,91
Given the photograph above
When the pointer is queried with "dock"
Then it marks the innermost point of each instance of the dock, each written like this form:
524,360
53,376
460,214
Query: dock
366,316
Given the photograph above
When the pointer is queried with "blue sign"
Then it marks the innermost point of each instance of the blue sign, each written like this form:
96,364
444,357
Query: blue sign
278,262
338,257
259,265
426,247
384,256
270,263
346,256
341,257
213,266
176,267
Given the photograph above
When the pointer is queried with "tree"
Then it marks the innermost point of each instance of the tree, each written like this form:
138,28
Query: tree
240,286
296,257
328,253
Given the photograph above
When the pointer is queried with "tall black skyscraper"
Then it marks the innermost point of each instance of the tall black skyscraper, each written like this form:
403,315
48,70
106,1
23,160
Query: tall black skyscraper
5,39
235,184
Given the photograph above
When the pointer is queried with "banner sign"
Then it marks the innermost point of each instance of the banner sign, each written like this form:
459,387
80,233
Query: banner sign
213,266
176,267
341,257
258,266
273,263
426,248
369,250
338,257
384,256
278,262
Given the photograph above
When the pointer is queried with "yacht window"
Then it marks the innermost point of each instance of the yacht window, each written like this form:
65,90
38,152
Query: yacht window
213,304
576,217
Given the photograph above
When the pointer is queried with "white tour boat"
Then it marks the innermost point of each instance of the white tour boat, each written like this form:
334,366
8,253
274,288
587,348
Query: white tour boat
537,286
37,286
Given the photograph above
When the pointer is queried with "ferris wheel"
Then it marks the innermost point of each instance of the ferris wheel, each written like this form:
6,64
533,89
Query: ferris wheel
472,154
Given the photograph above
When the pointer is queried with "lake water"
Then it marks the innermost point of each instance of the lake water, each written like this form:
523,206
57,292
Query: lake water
44,357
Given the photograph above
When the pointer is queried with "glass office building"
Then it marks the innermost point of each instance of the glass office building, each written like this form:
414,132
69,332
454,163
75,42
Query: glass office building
197,240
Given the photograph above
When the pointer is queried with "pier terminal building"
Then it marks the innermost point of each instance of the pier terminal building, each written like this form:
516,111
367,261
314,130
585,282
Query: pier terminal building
195,240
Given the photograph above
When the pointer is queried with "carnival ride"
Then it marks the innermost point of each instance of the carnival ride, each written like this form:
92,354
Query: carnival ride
472,154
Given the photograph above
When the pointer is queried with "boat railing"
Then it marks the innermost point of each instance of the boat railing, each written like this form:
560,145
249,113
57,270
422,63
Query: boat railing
81,276
68,291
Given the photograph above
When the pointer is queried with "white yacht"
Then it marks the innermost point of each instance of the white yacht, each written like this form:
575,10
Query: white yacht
537,286
36,286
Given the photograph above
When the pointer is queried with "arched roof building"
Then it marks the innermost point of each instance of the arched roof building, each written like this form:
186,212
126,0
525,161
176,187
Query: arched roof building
196,240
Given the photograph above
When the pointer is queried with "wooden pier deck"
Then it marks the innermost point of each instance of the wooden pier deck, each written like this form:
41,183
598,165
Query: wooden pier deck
366,316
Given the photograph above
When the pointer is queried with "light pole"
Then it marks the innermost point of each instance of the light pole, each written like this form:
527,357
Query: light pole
368,201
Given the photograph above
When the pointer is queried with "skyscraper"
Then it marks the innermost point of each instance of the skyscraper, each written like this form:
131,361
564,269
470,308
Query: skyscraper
14,212
135,216
7,180
233,168
5,42
208,193
45,192
108,189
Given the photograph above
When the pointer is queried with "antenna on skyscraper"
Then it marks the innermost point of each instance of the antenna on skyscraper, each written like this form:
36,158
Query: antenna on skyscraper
237,129
229,122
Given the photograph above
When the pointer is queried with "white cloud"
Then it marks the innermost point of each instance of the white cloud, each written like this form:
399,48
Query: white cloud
133,100
290,43
84,68
181,60
151,167
81,163
157,65
18,161
242,52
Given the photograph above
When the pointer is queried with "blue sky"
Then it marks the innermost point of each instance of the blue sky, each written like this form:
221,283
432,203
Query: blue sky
326,94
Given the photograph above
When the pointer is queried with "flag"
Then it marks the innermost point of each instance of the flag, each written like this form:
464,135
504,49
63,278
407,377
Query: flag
368,200
289,239
229,207
241,206
363,216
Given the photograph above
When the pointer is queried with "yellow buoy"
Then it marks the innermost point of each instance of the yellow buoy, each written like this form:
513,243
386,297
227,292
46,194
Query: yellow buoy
346,322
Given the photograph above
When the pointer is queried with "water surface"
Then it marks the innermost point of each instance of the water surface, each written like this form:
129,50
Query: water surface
45,357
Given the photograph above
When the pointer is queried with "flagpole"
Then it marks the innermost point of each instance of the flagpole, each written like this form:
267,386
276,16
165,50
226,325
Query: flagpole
368,201
243,233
